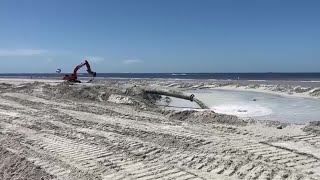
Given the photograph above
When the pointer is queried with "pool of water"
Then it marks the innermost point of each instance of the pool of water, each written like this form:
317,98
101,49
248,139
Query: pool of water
262,106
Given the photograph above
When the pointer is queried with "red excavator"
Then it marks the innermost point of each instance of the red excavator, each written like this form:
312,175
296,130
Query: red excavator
74,77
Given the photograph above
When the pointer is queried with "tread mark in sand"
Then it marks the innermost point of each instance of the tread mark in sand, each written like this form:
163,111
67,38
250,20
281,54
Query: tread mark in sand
279,155
84,157
52,169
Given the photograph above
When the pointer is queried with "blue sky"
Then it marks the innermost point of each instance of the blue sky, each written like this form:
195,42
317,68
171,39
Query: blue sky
160,35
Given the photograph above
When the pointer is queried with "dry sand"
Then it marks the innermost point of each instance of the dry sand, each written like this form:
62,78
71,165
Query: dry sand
113,131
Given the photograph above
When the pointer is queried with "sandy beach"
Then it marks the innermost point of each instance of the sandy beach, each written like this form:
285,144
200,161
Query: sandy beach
111,129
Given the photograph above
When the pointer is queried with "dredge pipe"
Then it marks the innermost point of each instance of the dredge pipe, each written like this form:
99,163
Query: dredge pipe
178,95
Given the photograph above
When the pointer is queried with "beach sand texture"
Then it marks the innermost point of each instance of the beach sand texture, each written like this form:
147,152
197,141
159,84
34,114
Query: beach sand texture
111,130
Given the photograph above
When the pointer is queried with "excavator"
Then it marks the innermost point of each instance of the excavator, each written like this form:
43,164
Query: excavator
73,78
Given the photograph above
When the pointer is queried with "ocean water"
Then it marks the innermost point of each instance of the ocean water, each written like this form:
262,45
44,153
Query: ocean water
208,76
256,105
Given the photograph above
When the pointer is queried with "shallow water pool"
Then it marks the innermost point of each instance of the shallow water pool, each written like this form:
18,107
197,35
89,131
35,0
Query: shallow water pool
262,106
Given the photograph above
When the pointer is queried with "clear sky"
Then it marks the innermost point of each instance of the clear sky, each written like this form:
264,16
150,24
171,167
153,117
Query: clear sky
160,35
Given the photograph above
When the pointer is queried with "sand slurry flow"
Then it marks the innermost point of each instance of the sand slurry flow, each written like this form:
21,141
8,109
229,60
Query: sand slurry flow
57,131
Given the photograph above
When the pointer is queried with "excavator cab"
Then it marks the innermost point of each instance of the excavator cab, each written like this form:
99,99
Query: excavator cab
71,78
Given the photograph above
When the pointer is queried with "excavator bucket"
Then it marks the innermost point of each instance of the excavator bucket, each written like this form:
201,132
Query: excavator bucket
94,74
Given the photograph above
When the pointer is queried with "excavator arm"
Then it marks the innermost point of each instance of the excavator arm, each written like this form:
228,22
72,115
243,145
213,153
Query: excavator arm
74,77
94,74
85,63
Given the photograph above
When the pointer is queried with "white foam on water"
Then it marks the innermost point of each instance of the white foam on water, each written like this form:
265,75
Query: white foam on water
242,110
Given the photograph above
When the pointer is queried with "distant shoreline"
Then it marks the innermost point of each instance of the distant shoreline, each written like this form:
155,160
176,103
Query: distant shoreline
280,87
303,77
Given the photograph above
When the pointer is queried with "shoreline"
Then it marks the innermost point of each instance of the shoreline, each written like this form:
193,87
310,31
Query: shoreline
265,86
288,89
262,90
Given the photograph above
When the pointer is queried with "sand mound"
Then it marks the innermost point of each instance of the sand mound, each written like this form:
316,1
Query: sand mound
29,88
90,93
139,94
5,85
313,127
135,96
119,99
301,89
14,167
315,92
281,88
207,117
135,91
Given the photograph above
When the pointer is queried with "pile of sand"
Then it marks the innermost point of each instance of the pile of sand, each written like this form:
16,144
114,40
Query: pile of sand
5,86
89,93
207,117
139,94
135,96
301,89
119,99
315,92
313,127
28,88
